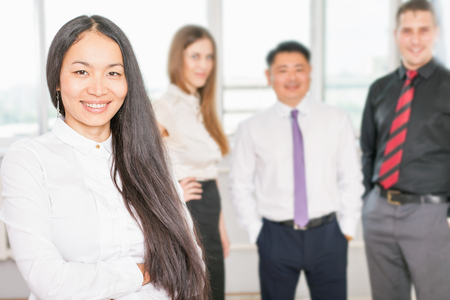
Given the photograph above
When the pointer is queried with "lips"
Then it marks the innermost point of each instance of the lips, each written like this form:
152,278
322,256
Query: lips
415,51
96,107
292,87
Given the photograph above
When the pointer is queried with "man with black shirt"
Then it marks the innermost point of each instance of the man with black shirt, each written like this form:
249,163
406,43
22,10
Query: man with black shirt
405,139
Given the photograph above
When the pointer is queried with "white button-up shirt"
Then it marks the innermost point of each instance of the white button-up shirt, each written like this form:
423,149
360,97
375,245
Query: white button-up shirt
193,151
70,232
262,170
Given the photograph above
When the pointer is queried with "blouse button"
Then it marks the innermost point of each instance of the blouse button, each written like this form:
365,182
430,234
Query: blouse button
98,146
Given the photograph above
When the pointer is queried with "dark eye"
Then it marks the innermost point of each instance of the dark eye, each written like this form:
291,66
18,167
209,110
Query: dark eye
210,57
113,74
81,72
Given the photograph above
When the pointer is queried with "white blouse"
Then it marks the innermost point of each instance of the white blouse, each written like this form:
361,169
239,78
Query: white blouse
193,152
70,232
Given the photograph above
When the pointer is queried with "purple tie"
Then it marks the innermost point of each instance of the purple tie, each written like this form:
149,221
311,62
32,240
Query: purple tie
301,204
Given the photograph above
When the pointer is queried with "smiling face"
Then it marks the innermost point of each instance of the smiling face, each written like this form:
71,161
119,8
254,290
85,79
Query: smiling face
416,35
198,63
92,85
289,76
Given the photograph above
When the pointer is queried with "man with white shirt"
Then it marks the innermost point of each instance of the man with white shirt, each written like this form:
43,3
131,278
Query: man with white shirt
296,165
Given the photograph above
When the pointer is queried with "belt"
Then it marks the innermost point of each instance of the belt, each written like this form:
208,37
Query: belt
311,224
398,198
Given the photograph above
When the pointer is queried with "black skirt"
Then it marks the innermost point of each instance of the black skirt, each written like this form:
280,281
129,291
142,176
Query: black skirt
206,213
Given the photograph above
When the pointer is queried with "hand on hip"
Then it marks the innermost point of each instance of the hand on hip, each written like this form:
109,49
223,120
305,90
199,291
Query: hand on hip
192,190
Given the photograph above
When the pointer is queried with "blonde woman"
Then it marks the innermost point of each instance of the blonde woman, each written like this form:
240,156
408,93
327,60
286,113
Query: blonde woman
187,119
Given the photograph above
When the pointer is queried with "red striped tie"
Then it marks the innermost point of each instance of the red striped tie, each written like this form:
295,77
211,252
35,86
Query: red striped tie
389,171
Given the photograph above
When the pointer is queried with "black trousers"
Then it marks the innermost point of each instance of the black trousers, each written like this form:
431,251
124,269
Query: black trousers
320,252
206,213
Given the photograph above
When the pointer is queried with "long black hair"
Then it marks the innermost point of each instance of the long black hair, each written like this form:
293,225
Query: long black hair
172,258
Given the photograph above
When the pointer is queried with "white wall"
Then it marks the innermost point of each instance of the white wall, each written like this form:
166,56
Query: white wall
12,285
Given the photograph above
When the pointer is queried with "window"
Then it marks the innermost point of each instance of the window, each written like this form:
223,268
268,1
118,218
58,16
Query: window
150,26
18,80
250,30
443,44
355,55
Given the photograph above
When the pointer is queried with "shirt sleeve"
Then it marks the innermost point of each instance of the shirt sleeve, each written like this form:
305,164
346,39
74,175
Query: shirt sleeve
27,213
368,142
243,163
349,180
164,115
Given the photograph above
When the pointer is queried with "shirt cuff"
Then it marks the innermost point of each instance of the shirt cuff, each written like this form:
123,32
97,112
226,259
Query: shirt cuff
348,226
253,231
129,266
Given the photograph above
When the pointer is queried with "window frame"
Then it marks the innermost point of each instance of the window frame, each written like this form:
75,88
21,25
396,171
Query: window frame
317,48
215,25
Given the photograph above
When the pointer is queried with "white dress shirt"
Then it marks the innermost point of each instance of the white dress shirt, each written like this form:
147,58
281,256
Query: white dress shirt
70,232
192,150
262,171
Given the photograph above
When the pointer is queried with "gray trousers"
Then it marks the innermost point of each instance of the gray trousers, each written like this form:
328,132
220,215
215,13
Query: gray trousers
407,245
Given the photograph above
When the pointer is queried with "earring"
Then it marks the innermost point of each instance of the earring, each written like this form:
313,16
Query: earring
57,105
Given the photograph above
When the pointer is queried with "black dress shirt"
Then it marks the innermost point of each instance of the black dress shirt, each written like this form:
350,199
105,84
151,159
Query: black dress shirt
425,164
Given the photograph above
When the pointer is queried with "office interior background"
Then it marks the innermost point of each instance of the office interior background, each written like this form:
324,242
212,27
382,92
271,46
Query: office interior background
351,43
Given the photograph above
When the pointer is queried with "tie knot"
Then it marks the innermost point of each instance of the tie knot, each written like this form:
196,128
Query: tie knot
411,74
294,113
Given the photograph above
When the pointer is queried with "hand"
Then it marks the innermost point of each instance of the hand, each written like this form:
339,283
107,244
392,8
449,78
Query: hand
192,190
349,238
224,236
162,130
144,273
225,245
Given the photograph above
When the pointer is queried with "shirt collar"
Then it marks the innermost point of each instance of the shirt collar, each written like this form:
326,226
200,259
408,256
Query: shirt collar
108,144
72,138
284,110
192,100
425,71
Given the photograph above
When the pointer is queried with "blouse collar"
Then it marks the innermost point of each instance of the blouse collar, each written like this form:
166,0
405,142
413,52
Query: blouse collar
72,138
192,100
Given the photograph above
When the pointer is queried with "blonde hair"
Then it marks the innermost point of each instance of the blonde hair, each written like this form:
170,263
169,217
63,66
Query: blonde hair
184,37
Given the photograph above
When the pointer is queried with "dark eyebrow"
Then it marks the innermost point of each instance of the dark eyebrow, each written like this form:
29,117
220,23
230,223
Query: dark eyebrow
88,65
114,65
81,62
296,66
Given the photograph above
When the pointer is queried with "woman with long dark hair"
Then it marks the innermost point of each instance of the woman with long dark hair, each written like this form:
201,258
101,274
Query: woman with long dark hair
188,121
91,208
